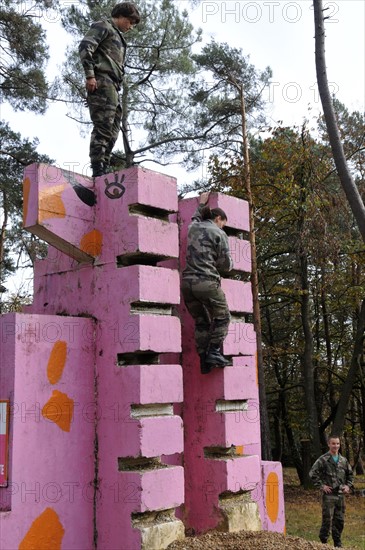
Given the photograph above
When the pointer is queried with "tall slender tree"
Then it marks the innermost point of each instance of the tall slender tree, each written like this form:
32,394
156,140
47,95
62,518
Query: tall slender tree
174,108
344,173
156,107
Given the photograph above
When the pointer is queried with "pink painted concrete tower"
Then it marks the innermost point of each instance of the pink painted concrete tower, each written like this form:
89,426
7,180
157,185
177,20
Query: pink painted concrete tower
92,374
227,485
101,280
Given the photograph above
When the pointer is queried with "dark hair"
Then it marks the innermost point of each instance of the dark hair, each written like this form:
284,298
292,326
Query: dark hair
127,9
211,214
334,436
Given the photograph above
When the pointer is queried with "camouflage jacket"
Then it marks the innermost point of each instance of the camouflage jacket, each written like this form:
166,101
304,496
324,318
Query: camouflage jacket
102,51
325,471
207,255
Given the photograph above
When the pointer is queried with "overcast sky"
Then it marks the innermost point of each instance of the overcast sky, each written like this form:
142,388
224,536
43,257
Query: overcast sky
281,34
278,33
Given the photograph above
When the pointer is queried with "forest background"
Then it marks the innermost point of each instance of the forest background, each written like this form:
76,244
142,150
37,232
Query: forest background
182,111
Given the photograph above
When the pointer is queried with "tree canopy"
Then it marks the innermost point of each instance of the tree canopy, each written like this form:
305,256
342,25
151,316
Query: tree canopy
15,153
311,283
344,172
24,54
23,84
158,70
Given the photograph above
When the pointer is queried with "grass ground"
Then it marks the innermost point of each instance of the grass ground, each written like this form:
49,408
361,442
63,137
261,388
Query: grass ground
303,511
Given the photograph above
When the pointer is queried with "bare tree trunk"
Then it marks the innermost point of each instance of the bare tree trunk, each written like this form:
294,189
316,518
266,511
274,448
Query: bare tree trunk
273,365
295,454
264,419
347,182
305,446
362,404
305,306
2,239
307,363
356,359
327,337
277,452
356,441
129,154
306,319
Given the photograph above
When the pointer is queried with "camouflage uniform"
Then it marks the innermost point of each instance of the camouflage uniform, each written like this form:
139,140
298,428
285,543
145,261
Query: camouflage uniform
325,471
102,53
207,258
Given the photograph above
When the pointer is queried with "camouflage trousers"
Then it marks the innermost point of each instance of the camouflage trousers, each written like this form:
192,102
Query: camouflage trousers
106,115
207,304
333,514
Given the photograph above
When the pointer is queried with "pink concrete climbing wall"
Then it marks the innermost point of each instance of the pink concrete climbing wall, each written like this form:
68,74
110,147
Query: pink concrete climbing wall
107,240
227,486
99,456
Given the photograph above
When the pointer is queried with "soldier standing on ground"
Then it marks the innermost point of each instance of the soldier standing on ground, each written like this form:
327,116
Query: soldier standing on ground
332,474
207,258
102,53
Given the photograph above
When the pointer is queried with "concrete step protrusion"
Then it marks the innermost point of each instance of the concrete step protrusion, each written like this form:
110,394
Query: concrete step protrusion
239,512
58,207
158,529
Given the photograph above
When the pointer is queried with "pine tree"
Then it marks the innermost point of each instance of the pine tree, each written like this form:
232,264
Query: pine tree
155,89
174,105
24,53
23,84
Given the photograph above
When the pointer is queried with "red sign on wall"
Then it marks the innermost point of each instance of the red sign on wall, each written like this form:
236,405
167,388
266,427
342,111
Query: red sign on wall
4,439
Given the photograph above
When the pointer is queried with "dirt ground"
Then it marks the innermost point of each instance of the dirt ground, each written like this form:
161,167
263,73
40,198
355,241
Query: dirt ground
247,540
303,512
296,499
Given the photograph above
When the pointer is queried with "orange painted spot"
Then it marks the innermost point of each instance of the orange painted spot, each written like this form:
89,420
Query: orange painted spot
239,449
92,243
56,361
26,192
46,531
51,204
272,496
59,409
284,531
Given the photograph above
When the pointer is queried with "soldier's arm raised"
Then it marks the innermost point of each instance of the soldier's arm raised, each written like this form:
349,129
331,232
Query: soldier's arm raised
203,201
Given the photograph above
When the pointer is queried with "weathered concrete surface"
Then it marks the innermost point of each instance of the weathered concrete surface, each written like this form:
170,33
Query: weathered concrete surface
239,513
47,373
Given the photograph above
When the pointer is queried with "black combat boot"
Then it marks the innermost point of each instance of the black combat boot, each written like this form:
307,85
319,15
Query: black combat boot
204,368
215,358
98,169
337,544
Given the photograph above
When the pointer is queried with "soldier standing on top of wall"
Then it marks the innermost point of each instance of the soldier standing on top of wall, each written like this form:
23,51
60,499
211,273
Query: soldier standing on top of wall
102,53
332,474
